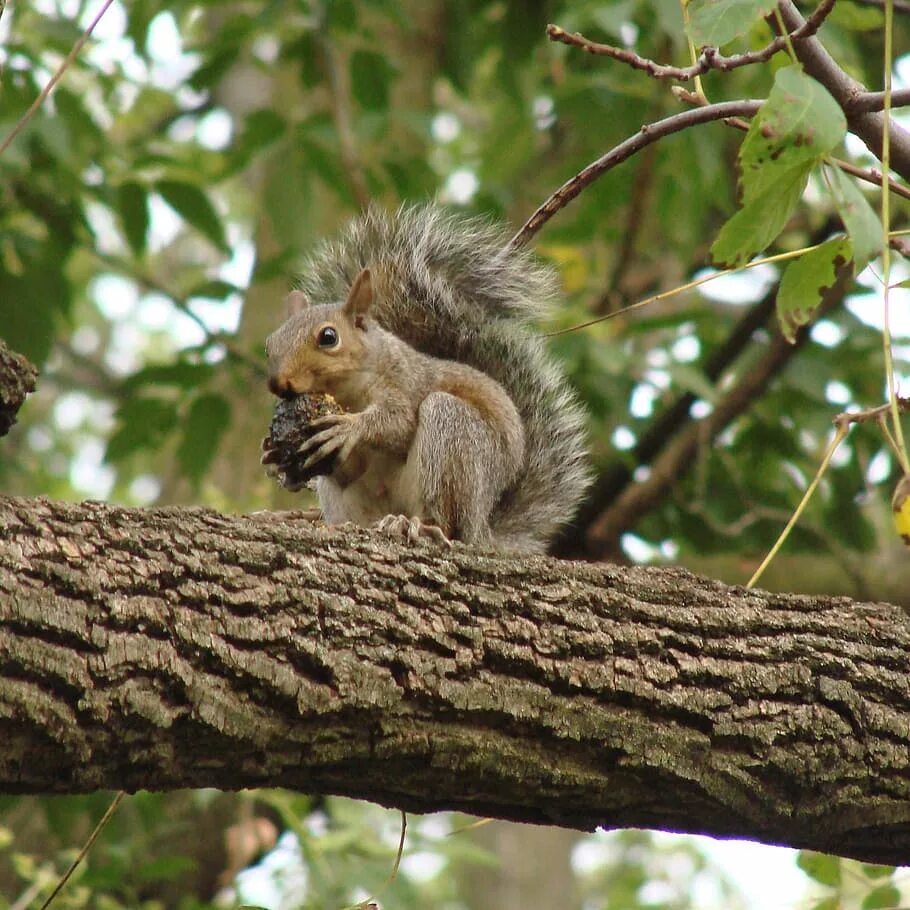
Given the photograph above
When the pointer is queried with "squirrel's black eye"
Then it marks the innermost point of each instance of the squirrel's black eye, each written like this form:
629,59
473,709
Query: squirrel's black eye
327,337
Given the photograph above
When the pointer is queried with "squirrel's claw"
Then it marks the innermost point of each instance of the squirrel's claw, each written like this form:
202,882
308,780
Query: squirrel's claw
269,456
412,529
338,436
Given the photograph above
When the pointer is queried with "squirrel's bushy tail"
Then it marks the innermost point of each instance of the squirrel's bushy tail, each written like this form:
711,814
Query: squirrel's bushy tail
449,286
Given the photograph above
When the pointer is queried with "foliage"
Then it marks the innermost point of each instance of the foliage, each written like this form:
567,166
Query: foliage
195,148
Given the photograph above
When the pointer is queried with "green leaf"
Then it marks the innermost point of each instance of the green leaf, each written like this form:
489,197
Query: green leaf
828,903
341,15
806,279
143,424
860,219
856,18
755,225
874,870
208,418
881,897
716,22
141,14
798,124
194,206
796,127
214,290
328,167
180,374
821,867
165,868
260,129
370,78
132,204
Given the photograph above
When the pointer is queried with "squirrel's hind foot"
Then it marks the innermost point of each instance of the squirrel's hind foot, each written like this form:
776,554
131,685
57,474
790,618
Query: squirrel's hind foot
412,529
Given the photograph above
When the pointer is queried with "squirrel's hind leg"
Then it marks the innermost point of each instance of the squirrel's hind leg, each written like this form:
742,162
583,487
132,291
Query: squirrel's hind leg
449,466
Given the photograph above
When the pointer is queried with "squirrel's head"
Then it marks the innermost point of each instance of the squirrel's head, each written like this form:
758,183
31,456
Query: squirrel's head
319,348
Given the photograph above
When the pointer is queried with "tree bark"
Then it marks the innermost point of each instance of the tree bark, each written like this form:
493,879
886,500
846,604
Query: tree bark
17,378
182,648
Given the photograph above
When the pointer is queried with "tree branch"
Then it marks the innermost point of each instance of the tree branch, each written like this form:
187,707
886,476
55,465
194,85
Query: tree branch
603,533
618,476
710,58
649,133
181,648
17,378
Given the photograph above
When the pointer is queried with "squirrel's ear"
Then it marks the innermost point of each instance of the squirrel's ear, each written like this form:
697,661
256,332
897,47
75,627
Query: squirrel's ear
297,301
360,299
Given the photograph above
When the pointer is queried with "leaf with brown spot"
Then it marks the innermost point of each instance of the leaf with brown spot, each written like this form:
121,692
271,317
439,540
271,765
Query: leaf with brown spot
805,281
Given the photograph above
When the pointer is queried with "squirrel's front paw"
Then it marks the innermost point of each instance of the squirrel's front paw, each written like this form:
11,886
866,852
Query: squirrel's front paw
412,529
339,436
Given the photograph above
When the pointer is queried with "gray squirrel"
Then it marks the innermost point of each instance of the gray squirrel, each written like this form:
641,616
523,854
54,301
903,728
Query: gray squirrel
457,423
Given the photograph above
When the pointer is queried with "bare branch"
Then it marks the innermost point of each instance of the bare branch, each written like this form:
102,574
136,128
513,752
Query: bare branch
649,133
875,101
711,58
876,414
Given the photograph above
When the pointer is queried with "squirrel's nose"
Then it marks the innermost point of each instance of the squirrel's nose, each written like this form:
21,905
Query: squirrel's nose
281,387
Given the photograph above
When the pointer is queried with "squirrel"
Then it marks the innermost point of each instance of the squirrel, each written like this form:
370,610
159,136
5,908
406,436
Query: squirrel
457,423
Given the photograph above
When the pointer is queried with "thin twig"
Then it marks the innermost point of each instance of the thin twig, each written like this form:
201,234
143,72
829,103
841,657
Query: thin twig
839,436
649,133
70,57
868,415
709,59
370,902
111,809
870,102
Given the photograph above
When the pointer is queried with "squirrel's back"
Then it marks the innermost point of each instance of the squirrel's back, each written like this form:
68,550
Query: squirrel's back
450,287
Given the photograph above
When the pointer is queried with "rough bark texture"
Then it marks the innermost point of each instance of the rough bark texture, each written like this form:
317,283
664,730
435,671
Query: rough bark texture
17,379
182,648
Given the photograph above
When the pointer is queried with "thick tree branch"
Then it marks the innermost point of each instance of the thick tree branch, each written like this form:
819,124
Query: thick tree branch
17,378
181,648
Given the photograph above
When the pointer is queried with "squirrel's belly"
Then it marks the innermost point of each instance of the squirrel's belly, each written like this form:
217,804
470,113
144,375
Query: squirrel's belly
373,495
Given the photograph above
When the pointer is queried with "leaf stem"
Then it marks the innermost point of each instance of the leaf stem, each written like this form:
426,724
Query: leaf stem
840,434
688,286
900,444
